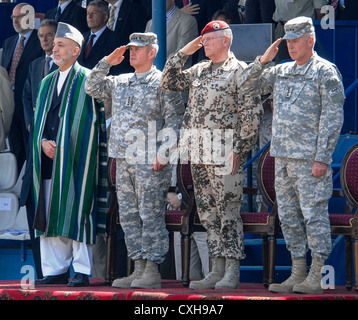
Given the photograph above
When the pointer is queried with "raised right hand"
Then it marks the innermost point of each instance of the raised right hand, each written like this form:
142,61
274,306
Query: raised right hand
271,52
117,56
193,46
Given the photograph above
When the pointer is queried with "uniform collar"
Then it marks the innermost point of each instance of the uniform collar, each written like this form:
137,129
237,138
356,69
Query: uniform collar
303,69
146,79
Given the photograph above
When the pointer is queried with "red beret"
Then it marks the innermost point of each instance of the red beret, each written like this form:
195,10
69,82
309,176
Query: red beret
215,25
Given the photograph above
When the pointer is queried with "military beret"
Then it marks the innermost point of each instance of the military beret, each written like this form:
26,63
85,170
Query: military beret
297,27
215,25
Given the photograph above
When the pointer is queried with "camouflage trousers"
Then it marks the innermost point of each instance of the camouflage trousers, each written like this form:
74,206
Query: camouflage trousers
141,194
303,207
218,200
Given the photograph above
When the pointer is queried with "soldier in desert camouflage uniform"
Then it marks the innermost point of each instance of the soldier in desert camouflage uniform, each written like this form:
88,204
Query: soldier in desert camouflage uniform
308,99
141,111
216,107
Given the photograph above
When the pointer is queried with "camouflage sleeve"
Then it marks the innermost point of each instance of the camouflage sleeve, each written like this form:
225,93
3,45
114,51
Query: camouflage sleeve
250,113
173,77
331,120
257,78
98,85
172,110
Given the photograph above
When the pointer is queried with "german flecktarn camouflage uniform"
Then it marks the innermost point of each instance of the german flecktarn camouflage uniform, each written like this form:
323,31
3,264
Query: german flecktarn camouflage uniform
217,117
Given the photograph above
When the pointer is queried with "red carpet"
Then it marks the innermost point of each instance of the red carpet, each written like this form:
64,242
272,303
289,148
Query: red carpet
171,290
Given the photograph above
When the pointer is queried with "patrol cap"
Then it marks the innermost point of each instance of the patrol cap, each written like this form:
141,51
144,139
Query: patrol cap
215,25
297,27
142,39
67,31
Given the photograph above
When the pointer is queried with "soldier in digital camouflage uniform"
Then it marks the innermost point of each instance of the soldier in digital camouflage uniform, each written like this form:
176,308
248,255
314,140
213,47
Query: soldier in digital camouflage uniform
141,111
308,99
216,107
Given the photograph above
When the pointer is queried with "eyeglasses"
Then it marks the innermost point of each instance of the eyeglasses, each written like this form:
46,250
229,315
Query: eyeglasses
209,39
18,17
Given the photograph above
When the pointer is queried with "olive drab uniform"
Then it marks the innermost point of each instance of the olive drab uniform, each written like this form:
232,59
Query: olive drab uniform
217,116
140,112
307,120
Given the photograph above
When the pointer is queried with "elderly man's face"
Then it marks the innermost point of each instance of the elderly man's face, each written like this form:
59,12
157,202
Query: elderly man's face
95,18
300,49
23,17
65,52
213,44
46,35
139,56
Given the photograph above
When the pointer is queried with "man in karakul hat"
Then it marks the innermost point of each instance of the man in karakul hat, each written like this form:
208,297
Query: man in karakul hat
216,103
69,166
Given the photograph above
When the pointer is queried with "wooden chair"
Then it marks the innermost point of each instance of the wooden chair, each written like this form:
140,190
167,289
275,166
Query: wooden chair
186,221
112,224
346,223
265,222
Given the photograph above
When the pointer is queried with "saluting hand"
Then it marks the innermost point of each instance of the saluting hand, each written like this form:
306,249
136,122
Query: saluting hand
193,46
117,56
271,52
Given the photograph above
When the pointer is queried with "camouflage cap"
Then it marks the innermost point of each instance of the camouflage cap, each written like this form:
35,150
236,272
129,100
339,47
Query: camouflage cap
297,27
142,39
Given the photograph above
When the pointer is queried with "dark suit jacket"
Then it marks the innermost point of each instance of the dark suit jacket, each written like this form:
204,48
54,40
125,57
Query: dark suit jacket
73,15
29,95
31,51
104,46
131,18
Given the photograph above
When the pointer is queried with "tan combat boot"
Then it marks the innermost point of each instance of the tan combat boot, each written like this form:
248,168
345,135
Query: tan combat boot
150,279
139,266
298,274
231,279
312,284
215,275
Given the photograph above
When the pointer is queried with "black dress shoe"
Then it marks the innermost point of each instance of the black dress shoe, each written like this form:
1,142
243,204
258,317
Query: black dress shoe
79,280
59,279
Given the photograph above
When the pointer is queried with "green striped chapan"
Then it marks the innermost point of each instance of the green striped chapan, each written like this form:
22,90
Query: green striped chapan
78,201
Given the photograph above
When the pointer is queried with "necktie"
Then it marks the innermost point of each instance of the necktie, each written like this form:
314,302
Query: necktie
334,4
15,59
58,13
110,22
89,46
185,2
47,66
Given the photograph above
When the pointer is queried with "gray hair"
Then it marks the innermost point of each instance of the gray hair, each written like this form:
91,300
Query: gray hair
313,35
228,33
100,5
48,23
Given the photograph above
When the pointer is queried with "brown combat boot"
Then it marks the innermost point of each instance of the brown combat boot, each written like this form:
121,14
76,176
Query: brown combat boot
298,274
139,266
215,275
312,284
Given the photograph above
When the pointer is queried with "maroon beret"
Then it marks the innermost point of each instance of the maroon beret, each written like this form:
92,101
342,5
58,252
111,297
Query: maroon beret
215,25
